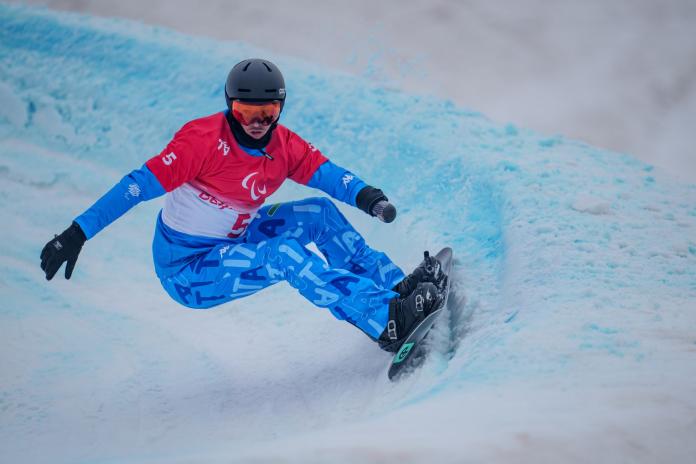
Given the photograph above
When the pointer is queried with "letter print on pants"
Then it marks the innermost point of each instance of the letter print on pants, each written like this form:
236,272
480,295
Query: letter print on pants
355,286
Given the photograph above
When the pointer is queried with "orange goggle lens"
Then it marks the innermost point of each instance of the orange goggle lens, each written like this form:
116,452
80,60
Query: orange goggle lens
249,113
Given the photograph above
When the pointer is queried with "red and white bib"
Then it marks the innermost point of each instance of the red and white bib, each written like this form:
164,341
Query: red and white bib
215,187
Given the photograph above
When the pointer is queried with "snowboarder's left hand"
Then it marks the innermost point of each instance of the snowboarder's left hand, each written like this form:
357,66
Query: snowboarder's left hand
385,211
64,247
375,203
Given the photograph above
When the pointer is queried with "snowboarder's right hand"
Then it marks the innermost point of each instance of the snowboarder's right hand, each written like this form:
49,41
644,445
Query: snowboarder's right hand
375,203
64,247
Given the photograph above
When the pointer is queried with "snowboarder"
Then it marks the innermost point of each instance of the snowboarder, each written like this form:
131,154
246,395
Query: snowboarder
214,241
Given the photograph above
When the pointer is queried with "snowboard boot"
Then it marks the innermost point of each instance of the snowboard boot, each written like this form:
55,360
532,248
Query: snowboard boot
406,313
429,270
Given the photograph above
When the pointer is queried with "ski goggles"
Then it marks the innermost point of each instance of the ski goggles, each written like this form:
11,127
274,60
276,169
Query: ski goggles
247,113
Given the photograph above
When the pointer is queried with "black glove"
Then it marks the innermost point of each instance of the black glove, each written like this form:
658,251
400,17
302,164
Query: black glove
375,203
64,247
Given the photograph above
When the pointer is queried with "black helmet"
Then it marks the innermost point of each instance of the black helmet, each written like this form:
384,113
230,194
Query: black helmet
255,79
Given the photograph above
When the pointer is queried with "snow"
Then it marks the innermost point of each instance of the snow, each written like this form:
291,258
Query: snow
571,338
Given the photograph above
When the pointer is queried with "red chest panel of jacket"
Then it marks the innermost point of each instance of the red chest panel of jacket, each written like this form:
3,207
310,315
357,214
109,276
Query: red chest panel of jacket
212,180
242,179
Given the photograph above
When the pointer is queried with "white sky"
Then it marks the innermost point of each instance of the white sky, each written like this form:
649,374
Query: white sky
619,74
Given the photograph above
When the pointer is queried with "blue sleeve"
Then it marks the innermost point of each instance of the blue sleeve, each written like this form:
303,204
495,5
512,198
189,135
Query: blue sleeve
139,185
338,182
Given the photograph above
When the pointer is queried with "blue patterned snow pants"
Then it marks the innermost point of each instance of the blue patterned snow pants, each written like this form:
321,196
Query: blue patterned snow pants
355,286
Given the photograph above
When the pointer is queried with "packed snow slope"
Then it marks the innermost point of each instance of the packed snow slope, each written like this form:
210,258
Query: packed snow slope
571,336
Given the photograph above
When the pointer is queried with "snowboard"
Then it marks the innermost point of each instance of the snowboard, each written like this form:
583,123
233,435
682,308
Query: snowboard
411,345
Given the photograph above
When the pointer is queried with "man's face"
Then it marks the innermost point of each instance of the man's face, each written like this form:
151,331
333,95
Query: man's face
256,118
256,129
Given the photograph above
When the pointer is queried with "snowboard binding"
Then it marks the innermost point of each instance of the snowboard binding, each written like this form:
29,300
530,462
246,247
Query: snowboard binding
429,270
406,313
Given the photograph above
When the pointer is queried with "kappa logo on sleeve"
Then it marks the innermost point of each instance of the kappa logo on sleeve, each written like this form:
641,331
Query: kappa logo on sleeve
347,179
